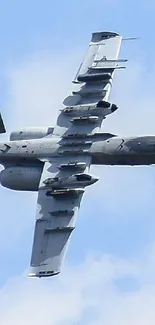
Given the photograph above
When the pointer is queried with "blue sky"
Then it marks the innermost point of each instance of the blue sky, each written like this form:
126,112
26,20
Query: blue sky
109,270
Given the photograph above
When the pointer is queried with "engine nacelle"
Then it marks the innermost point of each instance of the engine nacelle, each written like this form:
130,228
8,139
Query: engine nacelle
21,178
31,133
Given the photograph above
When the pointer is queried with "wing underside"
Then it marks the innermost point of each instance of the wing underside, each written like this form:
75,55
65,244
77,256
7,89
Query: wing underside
80,118
91,85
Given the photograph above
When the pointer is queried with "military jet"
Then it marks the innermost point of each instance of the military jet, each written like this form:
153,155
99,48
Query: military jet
55,161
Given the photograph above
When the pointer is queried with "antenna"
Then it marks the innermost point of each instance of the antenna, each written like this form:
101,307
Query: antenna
130,38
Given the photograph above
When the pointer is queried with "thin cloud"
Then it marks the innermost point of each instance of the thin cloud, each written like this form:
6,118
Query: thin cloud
37,87
92,289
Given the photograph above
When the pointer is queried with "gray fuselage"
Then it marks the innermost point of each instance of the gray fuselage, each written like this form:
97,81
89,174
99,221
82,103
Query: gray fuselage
111,151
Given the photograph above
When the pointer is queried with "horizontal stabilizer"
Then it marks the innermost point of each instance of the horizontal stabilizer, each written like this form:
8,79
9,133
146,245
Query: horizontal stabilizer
2,127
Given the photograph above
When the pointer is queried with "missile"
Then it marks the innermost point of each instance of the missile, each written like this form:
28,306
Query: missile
73,181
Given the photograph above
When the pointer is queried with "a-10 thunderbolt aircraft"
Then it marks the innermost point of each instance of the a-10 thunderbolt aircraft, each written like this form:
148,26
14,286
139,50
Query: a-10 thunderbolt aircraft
55,161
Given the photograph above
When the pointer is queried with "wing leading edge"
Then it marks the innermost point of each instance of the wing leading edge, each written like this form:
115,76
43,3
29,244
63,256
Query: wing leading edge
65,176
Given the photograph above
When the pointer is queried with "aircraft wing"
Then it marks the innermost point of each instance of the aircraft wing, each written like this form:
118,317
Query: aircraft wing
81,115
56,217
92,85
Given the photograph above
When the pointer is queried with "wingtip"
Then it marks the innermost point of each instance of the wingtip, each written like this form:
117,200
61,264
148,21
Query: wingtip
100,36
42,274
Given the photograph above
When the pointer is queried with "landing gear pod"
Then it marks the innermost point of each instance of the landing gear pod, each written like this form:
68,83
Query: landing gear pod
94,77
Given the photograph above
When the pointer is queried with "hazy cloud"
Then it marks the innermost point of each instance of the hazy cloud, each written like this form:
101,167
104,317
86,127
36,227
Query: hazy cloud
92,294
38,86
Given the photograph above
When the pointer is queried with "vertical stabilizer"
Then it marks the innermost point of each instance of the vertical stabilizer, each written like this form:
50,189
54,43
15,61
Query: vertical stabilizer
2,126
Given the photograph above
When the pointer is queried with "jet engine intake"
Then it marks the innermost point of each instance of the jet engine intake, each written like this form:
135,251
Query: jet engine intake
21,178
30,133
